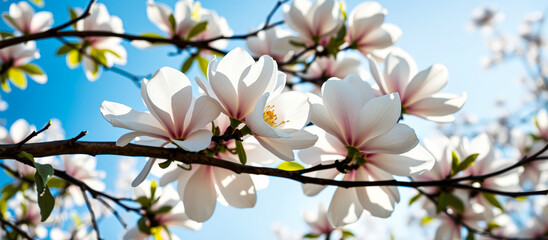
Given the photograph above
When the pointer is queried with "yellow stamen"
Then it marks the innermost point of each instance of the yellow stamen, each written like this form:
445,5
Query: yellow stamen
270,117
195,14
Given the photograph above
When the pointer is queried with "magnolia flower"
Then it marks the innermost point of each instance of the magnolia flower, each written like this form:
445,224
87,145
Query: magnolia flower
78,233
106,51
318,222
250,92
326,67
175,119
19,130
485,18
167,198
440,147
14,63
418,91
262,44
352,117
315,22
27,214
22,18
367,32
187,15
82,167
541,124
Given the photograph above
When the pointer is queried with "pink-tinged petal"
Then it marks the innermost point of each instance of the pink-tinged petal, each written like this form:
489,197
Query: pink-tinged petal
197,141
205,111
364,18
199,196
291,107
122,116
253,83
379,39
343,103
173,175
438,108
378,201
397,72
163,117
414,162
256,123
281,150
144,172
321,118
233,65
295,19
41,21
327,148
158,13
224,90
237,189
365,90
399,140
426,83
448,231
314,189
128,137
377,75
326,18
377,117
300,139
345,208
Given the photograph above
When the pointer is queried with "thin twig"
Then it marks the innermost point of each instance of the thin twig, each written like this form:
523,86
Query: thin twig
91,212
80,135
73,21
16,228
114,212
33,134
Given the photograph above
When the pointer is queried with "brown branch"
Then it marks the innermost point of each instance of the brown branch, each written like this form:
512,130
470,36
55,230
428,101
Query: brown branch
16,228
91,213
101,148
33,134
73,21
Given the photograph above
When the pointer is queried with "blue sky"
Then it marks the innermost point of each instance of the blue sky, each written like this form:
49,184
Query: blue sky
433,32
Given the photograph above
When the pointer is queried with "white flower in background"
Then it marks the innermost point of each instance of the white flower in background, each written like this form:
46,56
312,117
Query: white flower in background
326,67
106,50
541,124
352,117
418,91
176,117
440,147
175,217
532,171
262,44
22,18
126,173
250,92
14,63
82,167
78,233
19,130
367,32
187,15
27,213
314,22
485,18
202,186
317,221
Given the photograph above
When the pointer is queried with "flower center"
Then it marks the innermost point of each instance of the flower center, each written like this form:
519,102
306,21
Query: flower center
195,14
270,117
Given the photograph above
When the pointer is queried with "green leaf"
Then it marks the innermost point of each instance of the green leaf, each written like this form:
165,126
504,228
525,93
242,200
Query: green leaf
469,161
100,56
8,19
5,35
17,78
152,35
31,69
454,162
56,183
297,44
470,235
290,166
165,164
73,15
311,235
112,52
144,201
449,200
492,200
426,219
44,172
142,224
414,198
163,209
8,192
347,233
46,203
241,152
492,225
234,123
74,58
172,22
203,62
535,137
197,29
187,64
65,49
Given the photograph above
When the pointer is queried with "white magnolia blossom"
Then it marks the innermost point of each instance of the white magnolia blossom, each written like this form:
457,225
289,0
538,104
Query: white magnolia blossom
263,43
99,19
485,18
315,22
202,186
22,18
176,217
78,233
250,92
176,117
326,67
440,147
186,16
367,32
82,167
27,213
418,90
16,58
541,124
317,221
352,117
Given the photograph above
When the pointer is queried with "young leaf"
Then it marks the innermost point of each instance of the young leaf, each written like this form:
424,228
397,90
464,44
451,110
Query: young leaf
426,219
197,29
74,58
31,69
311,235
46,202
112,52
297,44
172,22
347,233
469,161
454,162
44,172
142,225
203,62
152,35
470,235
414,198
241,152
290,166
492,200
449,200
65,49
187,64
17,77
100,56
165,164
73,15
7,18
6,35
153,187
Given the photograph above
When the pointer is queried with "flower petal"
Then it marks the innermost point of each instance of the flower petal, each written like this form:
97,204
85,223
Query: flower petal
400,139
438,108
377,117
426,83
199,195
197,141
414,162
378,201
345,208
144,172
237,189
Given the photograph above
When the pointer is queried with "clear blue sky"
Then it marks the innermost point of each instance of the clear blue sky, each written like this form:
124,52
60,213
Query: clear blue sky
433,32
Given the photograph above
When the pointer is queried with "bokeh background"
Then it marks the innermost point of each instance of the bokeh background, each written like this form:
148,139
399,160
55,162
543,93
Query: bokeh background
433,32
